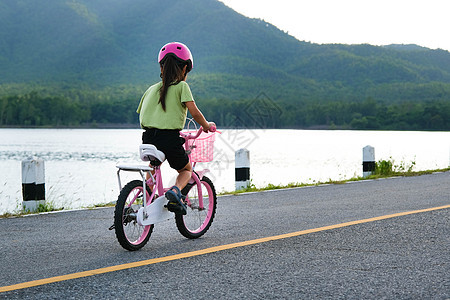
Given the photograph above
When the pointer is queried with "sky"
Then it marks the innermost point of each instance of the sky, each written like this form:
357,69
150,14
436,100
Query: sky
381,22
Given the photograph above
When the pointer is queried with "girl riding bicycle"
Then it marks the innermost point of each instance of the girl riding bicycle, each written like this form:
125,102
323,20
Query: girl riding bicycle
162,114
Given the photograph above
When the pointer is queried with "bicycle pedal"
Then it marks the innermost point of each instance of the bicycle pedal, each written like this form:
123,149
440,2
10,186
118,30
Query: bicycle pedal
172,207
176,208
112,227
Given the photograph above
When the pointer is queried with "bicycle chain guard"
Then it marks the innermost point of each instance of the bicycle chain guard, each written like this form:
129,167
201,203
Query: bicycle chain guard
154,213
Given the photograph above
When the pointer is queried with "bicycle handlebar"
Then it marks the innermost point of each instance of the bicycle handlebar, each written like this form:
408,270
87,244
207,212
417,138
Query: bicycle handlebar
213,129
190,136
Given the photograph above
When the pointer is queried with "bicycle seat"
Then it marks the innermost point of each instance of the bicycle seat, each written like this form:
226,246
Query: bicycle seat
149,153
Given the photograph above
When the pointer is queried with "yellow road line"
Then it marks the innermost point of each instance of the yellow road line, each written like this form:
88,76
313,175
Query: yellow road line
204,251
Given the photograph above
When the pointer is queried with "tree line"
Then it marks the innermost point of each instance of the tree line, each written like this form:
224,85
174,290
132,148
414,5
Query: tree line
368,114
35,110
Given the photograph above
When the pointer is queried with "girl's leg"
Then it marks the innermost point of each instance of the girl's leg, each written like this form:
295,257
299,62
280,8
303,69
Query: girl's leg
184,175
175,203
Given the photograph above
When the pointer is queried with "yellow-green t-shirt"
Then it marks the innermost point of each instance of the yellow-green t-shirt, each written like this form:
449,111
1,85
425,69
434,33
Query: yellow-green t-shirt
151,113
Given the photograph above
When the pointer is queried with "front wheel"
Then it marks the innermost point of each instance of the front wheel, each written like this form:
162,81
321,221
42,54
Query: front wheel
199,216
129,233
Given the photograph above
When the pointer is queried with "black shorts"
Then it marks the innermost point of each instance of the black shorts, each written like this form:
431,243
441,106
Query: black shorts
170,143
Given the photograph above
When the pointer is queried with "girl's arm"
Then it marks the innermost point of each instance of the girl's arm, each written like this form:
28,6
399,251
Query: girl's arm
198,116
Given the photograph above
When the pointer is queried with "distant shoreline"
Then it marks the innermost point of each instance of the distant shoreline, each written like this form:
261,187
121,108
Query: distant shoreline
84,126
136,126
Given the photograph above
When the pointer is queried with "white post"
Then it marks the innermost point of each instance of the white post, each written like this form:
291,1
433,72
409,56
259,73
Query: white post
33,184
368,160
242,169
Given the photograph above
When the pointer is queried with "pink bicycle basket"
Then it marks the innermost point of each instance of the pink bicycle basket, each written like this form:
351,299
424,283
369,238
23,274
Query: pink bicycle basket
203,150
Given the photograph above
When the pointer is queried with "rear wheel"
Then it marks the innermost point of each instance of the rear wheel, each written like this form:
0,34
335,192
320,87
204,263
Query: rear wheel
129,233
199,217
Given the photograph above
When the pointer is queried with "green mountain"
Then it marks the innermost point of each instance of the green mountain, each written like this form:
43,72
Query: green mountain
106,49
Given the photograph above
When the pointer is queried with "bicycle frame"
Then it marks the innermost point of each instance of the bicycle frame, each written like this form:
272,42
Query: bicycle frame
155,183
155,180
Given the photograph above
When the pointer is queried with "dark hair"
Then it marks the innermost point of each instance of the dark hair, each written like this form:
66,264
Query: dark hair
172,74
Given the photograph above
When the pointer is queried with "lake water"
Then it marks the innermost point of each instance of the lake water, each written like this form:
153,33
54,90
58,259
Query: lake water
80,163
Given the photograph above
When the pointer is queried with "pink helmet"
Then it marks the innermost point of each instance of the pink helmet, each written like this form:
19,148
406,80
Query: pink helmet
180,51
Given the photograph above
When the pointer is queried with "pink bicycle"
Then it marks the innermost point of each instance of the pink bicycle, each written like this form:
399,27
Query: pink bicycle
136,212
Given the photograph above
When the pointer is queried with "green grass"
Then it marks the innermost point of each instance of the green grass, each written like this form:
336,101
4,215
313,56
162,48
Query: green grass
383,169
48,206
101,205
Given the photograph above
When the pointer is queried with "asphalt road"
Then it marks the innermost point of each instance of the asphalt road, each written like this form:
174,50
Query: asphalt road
405,257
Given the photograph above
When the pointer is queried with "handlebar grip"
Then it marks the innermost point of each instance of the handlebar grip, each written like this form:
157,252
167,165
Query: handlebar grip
213,128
